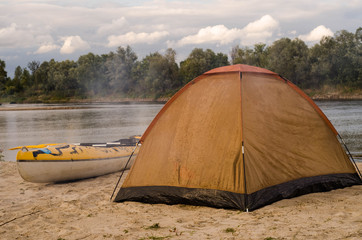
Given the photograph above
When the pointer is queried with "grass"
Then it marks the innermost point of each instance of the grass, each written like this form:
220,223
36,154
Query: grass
154,238
157,238
230,230
154,226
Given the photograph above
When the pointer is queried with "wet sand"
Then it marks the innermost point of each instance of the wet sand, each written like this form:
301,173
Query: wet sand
82,210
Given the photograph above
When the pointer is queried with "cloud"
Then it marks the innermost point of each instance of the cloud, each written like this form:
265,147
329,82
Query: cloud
131,38
12,36
213,34
115,26
259,30
37,26
8,31
256,31
264,24
316,34
47,47
72,44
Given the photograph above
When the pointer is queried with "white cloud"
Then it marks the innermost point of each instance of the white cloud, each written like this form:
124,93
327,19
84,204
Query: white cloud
115,26
47,47
316,34
256,31
264,24
215,34
259,30
13,36
8,31
131,38
72,44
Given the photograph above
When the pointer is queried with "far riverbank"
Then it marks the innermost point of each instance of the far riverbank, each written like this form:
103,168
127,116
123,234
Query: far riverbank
315,97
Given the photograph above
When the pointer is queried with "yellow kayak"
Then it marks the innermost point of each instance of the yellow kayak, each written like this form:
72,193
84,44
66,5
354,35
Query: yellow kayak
65,162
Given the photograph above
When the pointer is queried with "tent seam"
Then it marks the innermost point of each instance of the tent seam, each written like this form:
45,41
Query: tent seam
242,144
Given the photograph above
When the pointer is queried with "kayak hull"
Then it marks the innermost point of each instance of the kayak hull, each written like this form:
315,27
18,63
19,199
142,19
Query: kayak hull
67,162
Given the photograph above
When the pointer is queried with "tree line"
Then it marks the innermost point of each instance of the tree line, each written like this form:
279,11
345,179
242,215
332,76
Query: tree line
334,61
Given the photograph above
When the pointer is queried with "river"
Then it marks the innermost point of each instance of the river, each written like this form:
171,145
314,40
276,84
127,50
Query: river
110,122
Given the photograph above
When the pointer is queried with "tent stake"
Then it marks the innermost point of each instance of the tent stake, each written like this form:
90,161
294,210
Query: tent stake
350,156
124,169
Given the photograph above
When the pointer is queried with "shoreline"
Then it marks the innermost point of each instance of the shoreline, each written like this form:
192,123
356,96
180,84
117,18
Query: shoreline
100,100
327,97
82,210
92,104
43,106
331,98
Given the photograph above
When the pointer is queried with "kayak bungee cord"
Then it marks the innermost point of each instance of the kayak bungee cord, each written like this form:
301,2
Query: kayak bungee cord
124,169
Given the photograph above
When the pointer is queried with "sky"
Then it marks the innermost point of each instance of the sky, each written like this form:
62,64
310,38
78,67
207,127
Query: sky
42,30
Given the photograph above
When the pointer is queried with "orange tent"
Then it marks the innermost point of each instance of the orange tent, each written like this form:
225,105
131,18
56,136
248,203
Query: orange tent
237,137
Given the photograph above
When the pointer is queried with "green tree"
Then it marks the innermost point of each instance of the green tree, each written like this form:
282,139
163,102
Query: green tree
337,61
3,77
158,74
51,77
25,79
120,67
15,86
347,61
91,73
255,57
200,61
358,58
61,79
321,67
33,66
41,77
66,84
289,58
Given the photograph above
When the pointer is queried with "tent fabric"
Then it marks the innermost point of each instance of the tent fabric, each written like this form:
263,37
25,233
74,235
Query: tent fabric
237,137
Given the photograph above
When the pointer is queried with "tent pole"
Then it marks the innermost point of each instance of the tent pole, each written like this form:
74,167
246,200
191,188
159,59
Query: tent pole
350,156
124,169
246,209
246,194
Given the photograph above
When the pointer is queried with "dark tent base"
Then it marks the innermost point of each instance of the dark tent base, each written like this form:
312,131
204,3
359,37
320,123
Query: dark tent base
224,199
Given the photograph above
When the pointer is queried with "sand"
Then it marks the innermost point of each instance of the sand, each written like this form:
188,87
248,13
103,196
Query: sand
82,210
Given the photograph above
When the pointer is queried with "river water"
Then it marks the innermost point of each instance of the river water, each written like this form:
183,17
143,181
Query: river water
110,122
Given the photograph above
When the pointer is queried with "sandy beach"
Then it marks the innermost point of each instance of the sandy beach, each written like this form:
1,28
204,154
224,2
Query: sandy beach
82,210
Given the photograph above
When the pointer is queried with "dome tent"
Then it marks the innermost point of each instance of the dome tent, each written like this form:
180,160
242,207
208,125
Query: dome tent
237,137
